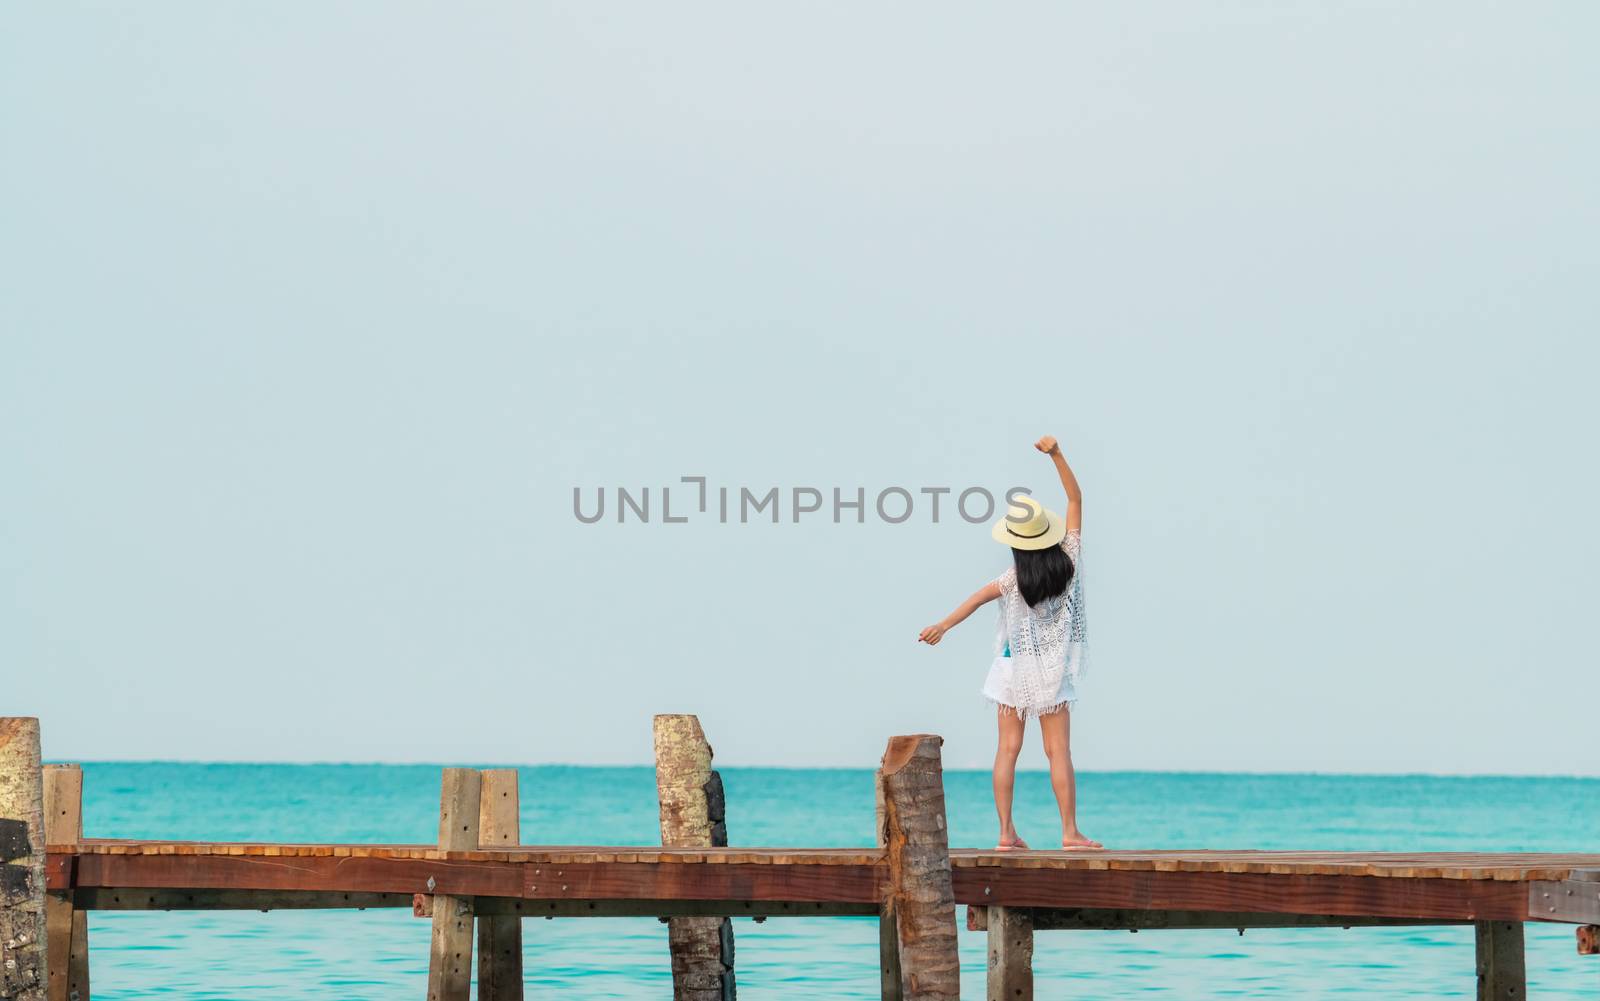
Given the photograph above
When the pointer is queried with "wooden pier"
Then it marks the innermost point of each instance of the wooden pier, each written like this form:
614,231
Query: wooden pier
477,883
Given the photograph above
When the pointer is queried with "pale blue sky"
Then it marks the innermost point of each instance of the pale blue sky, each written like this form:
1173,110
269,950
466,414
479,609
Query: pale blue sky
314,314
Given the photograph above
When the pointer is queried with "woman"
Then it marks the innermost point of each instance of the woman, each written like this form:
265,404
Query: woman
1040,647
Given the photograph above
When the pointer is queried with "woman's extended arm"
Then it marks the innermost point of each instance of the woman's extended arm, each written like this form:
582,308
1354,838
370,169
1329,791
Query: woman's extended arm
982,596
1069,482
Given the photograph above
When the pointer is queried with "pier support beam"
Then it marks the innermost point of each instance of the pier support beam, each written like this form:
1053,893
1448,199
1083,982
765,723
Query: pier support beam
24,963
888,927
920,887
499,935
1502,974
67,928
450,955
1010,954
693,815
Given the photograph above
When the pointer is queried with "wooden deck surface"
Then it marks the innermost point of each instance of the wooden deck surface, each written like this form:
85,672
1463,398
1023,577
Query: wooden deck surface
1512,867
1450,886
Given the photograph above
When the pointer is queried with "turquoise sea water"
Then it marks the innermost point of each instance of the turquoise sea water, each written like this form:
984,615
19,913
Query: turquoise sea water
383,954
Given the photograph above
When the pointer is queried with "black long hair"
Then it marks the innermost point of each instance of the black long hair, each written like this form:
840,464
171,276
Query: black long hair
1042,573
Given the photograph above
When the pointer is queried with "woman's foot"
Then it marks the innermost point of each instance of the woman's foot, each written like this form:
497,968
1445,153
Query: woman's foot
1014,842
1079,841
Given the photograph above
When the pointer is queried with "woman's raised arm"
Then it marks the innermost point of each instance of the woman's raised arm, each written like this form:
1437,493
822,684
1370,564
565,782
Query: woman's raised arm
982,596
1069,482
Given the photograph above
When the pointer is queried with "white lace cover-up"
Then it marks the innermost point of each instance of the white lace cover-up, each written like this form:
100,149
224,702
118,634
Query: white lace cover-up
1049,649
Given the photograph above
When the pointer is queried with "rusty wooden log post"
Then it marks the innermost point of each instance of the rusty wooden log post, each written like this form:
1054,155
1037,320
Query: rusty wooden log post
450,953
918,848
888,930
693,815
1502,973
1010,954
24,961
499,935
67,927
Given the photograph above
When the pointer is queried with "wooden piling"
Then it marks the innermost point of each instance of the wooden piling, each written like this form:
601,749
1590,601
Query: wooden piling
1010,954
24,961
693,816
1502,973
67,927
450,956
499,935
920,888
888,930
78,958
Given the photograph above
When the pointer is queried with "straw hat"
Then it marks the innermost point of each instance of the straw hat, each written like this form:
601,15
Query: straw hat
1029,526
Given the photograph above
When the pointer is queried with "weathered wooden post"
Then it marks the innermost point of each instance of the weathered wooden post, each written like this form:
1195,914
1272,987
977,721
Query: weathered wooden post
1010,954
1502,973
888,931
24,964
450,956
920,891
499,935
67,928
693,815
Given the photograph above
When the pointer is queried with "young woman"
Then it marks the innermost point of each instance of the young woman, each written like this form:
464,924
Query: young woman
1040,648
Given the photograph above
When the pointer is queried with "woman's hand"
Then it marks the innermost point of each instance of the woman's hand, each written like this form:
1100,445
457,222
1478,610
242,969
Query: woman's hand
932,635
1047,445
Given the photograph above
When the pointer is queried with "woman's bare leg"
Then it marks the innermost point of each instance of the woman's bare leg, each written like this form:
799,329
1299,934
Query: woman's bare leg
1005,772
1056,730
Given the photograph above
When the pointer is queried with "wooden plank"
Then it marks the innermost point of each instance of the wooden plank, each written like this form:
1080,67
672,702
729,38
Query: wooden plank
78,957
919,868
1010,954
537,881
460,803
422,906
1103,919
499,935
701,947
888,926
450,950
24,961
124,898
63,804
1521,867
63,825
58,942
1443,899
1502,975
1574,900
1441,865
1448,899
499,809
889,976
1455,866
521,853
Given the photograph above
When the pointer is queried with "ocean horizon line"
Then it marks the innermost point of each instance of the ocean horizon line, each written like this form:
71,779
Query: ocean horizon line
1109,772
